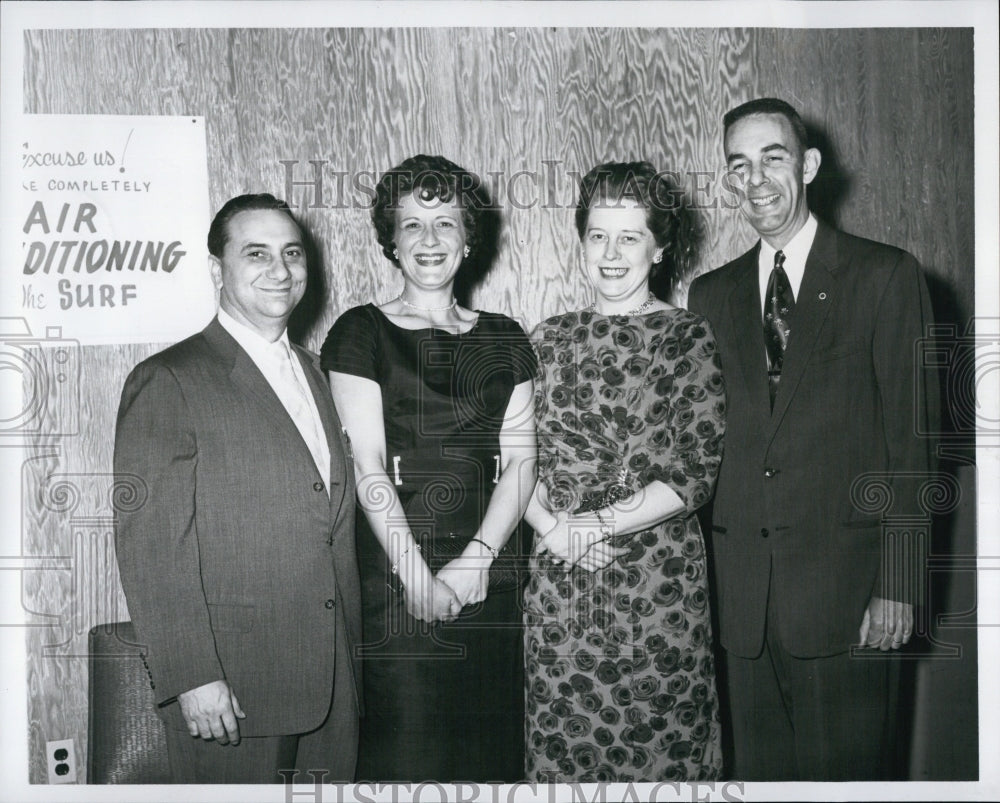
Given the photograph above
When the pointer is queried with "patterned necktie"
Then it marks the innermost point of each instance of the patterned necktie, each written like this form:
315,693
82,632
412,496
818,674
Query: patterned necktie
778,307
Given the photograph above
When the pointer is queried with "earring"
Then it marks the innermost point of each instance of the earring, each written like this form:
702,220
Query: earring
467,251
658,258
395,253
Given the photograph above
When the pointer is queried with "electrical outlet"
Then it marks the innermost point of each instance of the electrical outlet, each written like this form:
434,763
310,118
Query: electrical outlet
61,757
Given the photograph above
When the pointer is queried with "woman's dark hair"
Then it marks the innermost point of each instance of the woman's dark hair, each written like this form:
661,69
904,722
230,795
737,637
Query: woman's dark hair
431,178
668,216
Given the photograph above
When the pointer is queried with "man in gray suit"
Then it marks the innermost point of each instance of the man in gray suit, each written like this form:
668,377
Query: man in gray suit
239,568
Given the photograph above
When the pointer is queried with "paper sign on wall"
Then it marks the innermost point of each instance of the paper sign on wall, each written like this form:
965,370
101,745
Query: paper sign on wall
112,215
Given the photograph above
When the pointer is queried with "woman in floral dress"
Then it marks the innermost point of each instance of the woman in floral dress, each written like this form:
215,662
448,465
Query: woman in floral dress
630,411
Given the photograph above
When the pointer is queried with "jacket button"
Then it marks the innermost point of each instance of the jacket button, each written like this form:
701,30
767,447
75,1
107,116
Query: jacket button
763,532
769,472
330,603
317,486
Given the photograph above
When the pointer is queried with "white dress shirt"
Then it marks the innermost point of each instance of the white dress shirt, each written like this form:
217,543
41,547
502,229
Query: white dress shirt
796,252
273,360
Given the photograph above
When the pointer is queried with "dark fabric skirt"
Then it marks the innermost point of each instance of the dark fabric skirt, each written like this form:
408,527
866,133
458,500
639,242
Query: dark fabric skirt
443,702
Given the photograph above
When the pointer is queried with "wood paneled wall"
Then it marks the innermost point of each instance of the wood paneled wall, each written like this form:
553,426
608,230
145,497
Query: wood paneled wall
893,109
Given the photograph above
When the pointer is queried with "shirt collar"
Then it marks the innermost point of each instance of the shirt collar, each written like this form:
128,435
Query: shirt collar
796,252
252,342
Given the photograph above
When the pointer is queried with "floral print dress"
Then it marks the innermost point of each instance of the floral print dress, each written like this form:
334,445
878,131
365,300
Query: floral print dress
620,682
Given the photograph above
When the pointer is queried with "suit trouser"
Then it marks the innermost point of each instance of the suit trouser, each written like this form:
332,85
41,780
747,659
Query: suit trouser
333,747
812,719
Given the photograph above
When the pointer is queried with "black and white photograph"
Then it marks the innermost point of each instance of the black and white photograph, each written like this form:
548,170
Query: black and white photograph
499,401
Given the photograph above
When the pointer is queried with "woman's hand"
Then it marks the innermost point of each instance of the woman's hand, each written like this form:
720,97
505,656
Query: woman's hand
468,575
429,599
600,555
569,539
359,403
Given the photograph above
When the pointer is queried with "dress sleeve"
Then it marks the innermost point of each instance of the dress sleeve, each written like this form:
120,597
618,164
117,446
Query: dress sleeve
351,346
524,362
536,342
688,413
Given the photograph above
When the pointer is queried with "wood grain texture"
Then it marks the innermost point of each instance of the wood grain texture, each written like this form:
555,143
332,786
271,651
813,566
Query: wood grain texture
529,110
896,128
68,521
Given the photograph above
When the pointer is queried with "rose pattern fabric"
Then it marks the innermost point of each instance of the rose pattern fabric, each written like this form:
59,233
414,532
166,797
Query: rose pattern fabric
620,682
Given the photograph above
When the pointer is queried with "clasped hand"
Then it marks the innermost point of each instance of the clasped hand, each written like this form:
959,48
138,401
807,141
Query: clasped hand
576,542
430,599
468,576
441,597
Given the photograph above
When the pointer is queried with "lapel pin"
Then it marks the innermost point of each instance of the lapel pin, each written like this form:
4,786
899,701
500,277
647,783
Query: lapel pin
822,296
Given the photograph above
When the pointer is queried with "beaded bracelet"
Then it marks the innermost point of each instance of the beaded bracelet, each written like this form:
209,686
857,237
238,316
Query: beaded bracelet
395,566
606,531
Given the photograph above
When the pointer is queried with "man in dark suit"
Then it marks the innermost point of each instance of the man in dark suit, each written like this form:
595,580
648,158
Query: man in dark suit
239,566
817,332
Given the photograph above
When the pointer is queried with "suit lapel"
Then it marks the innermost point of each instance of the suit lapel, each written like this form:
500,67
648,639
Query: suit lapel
817,295
745,306
331,427
245,373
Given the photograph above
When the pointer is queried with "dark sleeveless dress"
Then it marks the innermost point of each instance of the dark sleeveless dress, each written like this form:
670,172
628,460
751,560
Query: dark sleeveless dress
443,701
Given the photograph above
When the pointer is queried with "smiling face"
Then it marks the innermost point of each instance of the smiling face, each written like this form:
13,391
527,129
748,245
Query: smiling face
618,252
772,171
430,239
261,275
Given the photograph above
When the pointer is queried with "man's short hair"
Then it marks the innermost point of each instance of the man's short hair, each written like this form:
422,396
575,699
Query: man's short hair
218,232
768,106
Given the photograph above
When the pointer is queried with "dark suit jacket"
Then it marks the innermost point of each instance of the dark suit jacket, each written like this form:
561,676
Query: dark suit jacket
235,562
784,523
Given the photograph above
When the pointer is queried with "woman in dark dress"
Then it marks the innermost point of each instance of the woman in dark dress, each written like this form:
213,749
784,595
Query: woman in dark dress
436,400
630,415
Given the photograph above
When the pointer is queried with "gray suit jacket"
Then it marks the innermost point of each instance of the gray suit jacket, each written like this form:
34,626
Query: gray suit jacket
235,562
787,530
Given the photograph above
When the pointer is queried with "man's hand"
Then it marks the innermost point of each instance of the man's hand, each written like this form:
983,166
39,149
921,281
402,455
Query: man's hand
886,624
210,712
